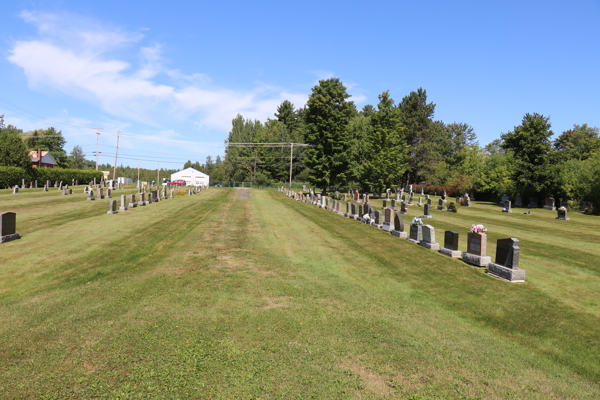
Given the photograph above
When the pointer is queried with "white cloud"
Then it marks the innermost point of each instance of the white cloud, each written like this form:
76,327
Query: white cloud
76,56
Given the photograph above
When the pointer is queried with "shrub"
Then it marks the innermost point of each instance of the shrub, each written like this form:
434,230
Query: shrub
11,176
66,175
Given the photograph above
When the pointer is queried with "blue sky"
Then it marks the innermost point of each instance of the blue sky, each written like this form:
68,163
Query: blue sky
172,75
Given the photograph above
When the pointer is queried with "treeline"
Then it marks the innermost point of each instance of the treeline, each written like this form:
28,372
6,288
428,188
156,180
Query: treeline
132,172
15,146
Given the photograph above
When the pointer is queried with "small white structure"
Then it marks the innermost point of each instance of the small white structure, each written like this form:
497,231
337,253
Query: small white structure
191,177
124,181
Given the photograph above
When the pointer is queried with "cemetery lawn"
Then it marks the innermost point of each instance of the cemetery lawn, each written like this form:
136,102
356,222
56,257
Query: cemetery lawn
217,297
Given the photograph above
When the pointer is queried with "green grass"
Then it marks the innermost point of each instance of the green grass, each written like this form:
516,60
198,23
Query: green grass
215,297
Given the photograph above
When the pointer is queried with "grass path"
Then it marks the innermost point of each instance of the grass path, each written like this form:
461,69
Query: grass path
228,295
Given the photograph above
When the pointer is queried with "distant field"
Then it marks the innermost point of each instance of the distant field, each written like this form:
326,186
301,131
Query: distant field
228,295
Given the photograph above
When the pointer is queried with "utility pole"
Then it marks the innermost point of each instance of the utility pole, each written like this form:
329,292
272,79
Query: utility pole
291,161
97,150
116,156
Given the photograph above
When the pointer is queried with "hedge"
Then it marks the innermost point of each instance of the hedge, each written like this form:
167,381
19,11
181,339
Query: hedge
11,176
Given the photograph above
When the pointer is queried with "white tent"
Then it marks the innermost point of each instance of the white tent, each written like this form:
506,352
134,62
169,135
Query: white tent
191,177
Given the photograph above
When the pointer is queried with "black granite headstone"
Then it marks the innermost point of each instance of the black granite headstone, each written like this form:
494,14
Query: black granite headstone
508,252
451,240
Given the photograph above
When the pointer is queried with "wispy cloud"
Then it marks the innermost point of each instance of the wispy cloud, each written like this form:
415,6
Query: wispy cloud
76,56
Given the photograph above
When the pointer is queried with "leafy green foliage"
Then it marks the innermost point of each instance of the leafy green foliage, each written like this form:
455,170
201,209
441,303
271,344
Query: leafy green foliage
77,158
530,145
13,152
417,117
579,143
379,151
10,176
327,117
50,140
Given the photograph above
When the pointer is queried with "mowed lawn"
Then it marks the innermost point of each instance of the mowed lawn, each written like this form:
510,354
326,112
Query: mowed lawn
217,297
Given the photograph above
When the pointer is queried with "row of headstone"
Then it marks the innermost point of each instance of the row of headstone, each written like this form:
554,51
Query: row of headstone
506,265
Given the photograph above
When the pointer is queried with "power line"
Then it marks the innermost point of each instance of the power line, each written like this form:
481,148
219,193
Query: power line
137,159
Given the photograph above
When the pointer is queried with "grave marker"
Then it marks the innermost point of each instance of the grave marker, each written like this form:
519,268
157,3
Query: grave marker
440,205
123,203
450,248
507,207
427,211
452,207
112,207
562,214
508,255
398,230
376,219
533,202
387,219
549,204
403,209
476,253
428,240
8,227
416,233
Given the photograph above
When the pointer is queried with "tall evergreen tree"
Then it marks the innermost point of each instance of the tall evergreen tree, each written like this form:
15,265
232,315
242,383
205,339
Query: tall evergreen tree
384,163
417,117
530,145
327,116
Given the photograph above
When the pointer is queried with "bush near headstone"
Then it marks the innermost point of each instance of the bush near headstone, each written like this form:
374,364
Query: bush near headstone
11,176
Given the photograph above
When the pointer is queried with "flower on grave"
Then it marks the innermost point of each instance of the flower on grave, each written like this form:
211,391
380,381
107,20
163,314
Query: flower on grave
563,208
367,217
478,229
416,221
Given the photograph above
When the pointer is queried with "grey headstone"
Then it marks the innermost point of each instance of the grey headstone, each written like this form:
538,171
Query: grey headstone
549,203
428,240
123,203
398,222
112,207
377,217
